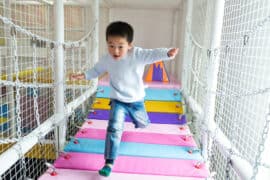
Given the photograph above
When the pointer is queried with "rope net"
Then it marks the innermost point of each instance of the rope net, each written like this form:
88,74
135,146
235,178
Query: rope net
241,63
28,86
240,86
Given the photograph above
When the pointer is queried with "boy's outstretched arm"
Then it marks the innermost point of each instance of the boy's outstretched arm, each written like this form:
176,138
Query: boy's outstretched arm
149,56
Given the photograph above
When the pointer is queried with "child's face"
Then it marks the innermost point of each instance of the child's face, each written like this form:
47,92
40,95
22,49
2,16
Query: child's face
118,47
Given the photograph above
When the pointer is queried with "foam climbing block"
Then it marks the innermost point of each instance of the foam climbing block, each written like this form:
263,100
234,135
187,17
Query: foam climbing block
155,94
71,174
151,128
137,165
133,149
151,138
155,117
151,106
156,72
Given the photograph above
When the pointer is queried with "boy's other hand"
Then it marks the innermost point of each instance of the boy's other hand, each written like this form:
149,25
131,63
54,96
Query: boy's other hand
173,52
76,77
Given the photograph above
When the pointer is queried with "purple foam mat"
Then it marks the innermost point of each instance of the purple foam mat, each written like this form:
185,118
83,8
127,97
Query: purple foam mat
159,118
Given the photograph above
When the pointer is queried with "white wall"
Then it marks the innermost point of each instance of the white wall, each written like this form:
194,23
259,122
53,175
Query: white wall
153,28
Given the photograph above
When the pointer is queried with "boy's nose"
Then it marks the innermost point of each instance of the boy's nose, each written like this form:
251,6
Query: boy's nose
116,50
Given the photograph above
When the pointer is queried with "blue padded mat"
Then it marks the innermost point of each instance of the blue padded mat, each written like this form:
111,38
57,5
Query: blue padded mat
153,94
134,149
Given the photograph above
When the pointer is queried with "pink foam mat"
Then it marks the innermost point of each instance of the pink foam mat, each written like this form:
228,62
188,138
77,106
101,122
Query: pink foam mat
141,137
136,165
71,174
152,128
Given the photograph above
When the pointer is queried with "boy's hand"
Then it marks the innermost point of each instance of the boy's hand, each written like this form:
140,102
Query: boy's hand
76,76
173,52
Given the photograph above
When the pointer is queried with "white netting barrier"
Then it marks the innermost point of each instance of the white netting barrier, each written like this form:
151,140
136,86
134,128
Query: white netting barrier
226,83
229,84
29,116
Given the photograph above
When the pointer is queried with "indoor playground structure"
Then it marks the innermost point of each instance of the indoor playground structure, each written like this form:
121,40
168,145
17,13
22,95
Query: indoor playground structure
209,108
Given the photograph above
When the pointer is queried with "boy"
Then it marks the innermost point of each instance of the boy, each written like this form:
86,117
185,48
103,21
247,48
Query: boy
125,64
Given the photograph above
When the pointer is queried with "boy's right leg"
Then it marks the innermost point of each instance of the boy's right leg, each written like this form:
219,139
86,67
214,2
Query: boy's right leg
107,168
114,134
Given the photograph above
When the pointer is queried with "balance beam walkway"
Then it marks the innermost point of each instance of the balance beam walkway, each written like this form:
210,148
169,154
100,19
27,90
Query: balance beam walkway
162,151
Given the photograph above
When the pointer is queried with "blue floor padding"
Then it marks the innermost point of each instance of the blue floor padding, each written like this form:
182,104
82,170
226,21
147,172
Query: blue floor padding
134,149
153,94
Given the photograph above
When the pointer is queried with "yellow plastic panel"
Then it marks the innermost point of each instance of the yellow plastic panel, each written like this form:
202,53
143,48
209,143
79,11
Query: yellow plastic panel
151,106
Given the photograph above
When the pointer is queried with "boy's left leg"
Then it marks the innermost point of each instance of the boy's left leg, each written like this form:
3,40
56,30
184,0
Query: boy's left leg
138,114
113,136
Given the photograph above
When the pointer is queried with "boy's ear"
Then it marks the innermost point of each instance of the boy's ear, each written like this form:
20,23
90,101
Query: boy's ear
130,46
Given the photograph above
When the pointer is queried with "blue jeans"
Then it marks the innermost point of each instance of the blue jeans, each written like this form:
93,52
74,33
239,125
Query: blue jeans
119,110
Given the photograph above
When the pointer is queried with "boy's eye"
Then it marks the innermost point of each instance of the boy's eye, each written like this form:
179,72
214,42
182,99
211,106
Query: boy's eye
111,46
120,47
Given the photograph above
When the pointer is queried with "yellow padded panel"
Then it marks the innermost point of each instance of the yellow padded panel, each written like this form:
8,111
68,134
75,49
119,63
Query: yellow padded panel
3,120
151,106
46,151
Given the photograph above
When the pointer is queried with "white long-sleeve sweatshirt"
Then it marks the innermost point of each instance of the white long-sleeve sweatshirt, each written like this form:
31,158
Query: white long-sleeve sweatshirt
126,74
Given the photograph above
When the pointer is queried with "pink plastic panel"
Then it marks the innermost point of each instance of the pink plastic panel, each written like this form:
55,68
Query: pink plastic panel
152,128
141,137
136,165
71,174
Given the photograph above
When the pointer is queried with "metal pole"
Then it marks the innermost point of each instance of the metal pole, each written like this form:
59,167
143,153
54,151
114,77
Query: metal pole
59,79
9,63
186,53
95,43
215,41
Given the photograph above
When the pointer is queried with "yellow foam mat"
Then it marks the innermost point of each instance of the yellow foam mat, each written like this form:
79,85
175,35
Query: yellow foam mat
3,120
151,106
46,151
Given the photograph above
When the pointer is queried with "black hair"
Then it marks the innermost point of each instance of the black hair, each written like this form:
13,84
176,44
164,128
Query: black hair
119,28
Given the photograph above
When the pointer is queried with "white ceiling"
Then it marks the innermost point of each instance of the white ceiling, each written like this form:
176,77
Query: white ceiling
144,3
171,4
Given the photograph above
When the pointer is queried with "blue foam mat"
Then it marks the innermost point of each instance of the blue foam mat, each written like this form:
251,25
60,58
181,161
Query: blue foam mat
153,94
134,149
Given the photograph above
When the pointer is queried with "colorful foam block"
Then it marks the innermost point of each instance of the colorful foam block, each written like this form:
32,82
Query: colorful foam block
133,149
150,138
155,117
137,165
151,128
151,94
151,106
156,72
71,174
